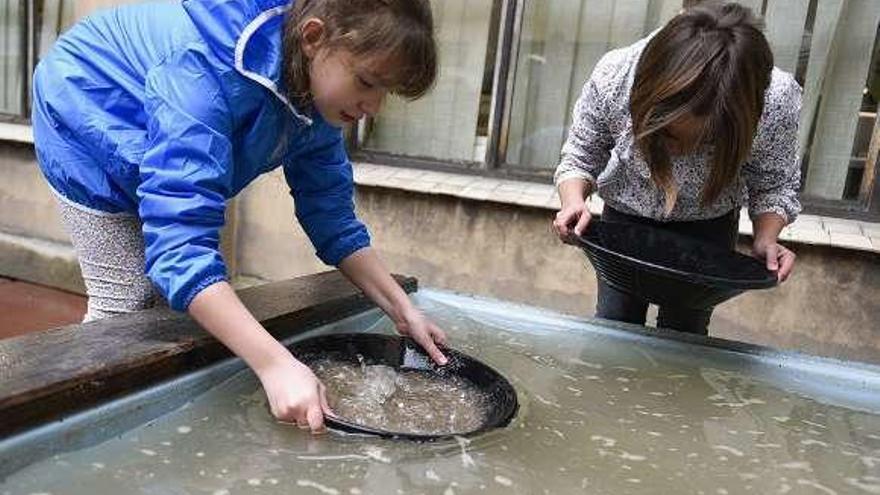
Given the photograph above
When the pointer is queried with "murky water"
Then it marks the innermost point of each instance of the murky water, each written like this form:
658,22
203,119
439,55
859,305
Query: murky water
401,401
600,413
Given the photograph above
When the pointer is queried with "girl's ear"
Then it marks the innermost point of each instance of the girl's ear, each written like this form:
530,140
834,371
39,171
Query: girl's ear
312,35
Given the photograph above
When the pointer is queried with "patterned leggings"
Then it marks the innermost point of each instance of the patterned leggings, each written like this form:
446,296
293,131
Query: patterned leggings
110,250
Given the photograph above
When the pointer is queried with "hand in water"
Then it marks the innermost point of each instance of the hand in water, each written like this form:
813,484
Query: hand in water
295,394
571,221
424,332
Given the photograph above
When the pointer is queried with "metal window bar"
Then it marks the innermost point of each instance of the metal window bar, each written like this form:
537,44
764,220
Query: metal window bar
30,50
25,44
870,188
502,85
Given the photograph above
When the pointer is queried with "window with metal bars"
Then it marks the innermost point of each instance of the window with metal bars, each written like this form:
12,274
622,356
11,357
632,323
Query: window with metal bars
511,71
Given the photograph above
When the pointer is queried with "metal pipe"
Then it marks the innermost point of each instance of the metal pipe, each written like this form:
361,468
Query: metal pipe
30,41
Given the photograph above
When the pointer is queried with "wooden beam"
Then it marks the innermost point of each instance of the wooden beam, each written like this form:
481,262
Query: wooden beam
841,99
870,174
46,376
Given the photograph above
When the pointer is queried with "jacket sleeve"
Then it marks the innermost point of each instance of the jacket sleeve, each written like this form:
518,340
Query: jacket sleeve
185,177
322,185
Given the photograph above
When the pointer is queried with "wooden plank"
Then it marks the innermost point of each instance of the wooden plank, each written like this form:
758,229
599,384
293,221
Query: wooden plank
867,187
785,21
841,98
49,375
829,15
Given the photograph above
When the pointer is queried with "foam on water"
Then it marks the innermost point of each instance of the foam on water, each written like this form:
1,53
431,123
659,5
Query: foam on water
380,397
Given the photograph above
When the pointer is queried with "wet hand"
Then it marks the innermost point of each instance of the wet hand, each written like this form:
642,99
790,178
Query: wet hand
428,335
777,257
571,221
295,394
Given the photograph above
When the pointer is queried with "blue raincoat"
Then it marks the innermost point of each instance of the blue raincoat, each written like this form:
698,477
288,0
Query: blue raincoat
167,111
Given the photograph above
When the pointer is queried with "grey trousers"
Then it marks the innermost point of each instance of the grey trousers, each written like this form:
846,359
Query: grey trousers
110,251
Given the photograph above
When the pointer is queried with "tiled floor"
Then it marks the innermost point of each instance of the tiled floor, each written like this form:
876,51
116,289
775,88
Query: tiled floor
807,229
26,308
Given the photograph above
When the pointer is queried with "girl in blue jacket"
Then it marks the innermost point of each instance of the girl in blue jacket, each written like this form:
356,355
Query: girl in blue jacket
147,118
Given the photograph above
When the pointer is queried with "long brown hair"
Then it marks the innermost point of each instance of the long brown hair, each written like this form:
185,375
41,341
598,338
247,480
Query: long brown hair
400,32
711,62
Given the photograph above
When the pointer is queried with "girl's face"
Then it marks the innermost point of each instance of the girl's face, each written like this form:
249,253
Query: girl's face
344,88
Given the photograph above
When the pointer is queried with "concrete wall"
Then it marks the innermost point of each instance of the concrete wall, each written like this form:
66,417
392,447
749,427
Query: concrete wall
830,307
32,241
27,207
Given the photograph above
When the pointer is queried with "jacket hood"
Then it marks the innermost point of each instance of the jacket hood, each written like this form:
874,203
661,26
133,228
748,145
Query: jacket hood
246,34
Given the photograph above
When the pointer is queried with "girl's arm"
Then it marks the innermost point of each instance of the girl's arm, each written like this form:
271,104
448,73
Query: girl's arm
295,394
185,177
365,269
320,179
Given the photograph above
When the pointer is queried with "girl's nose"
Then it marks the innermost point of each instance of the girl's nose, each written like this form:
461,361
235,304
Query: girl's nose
373,104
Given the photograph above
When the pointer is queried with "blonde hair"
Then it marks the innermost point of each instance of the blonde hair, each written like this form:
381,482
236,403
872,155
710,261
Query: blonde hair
397,31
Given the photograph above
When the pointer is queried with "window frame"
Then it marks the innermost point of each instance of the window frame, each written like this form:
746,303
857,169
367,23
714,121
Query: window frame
866,207
510,19
27,44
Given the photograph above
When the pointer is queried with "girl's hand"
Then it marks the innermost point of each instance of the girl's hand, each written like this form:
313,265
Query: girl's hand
778,258
366,270
428,335
295,394
571,221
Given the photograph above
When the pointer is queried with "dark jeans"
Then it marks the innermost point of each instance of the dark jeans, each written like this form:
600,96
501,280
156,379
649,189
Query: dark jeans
616,305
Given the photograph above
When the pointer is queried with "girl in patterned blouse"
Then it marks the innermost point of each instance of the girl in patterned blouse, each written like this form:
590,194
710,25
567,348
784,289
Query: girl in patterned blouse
680,130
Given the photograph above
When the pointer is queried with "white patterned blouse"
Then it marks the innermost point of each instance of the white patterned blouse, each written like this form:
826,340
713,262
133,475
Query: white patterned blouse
600,149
